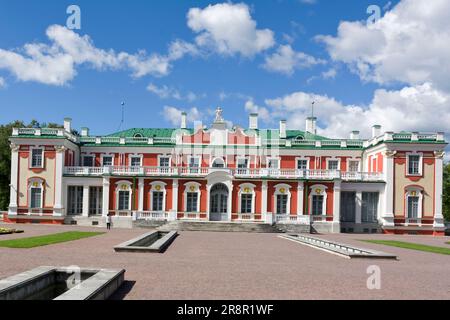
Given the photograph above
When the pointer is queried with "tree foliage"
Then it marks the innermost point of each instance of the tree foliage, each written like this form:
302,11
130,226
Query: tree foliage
446,193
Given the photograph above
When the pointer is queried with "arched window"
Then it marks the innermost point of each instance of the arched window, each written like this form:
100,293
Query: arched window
218,163
247,198
318,200
138,135
158,196
282,199
36,194
123,195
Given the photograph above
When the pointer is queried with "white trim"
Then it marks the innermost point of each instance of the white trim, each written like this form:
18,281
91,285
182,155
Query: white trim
248,158
30,165
334,159
162,189
164,156
107,155
187,189
211,162
353,160
40,185
287,192
318,190
242,188
88,155
140,156
414,153
273,158
119,184
297,159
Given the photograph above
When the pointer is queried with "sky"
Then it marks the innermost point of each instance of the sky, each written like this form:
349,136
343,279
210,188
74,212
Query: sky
361,62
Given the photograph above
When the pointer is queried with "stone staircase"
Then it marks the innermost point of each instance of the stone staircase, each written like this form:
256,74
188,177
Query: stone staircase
219,227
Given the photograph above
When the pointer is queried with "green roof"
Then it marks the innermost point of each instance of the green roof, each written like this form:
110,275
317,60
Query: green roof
146,133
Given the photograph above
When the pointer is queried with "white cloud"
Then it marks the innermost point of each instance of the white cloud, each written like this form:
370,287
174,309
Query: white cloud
263,113
229,29
56,63
285,60
419,108
410,44
173,115
2,83
329,74
165,92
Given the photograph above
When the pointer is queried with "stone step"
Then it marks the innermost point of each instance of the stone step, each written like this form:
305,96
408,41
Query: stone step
219,227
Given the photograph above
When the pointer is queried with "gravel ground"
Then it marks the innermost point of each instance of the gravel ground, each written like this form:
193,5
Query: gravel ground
204,265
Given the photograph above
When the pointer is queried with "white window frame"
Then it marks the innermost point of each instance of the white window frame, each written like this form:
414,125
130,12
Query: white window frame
302,159
196,188
242,189
42,157
107,155
278,159
214,160
414,192
131,156
318,190
243,158
83,156
158,186
119,186
278,191
353,160
420,155
36,183
338,165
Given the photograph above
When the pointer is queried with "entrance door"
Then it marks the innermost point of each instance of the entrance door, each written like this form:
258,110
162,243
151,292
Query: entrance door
348,206
219,203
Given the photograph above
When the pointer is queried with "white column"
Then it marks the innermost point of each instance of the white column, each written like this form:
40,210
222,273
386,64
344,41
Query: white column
358,207
14,180
208,190
105,201
85,201
337,201
388,215
230,201
438,217
175,195
264,198
141,195
59,167
300,196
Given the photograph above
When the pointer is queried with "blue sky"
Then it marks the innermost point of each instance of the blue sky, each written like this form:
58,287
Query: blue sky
197,83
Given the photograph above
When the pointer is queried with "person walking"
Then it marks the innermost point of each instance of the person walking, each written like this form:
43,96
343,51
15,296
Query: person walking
108,221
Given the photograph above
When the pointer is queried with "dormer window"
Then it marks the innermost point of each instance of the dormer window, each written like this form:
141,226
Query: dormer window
138,135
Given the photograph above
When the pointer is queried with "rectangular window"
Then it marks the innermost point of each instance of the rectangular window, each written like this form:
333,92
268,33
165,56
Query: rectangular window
124,200
35,200
191,202
369,207
317,205
95,200
413,207
246,203
164,162
194,164
107,161
414,165
353,166
273,164
75,200
242,165
88,161
333,165
36,158
135,161
348,206
157,201
282,200
302,164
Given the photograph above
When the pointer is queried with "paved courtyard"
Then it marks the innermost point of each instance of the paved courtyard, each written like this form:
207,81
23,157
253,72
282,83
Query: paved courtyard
203,265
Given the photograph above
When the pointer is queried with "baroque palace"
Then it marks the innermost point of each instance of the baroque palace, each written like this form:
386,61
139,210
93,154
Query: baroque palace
390,183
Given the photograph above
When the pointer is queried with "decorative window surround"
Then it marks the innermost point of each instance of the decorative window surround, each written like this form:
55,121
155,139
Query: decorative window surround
42,158
414,191
84,156
105,156
158,186
302,159
36,183
160,156
246,188
282,189
192,187
334,160
218,160
420,169
318,190
124,186
135,156
349,160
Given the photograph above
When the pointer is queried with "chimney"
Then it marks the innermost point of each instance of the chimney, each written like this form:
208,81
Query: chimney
253,121
283,129
354,135
85,132
376,131
183,120
311,125
68,124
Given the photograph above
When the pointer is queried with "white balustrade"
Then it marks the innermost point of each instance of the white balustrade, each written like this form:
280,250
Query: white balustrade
151,216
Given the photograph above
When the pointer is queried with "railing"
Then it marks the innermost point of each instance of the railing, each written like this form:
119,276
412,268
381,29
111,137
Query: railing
151,216
246,217
413,221
191,216
238,173
123,213
318,218
281,218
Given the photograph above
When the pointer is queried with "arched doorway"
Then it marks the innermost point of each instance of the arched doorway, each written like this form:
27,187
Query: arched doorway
219,202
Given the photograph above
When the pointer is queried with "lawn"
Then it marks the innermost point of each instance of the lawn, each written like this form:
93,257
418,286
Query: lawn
412,246
40,241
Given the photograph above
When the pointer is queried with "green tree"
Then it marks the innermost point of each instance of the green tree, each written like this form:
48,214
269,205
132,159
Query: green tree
446,193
